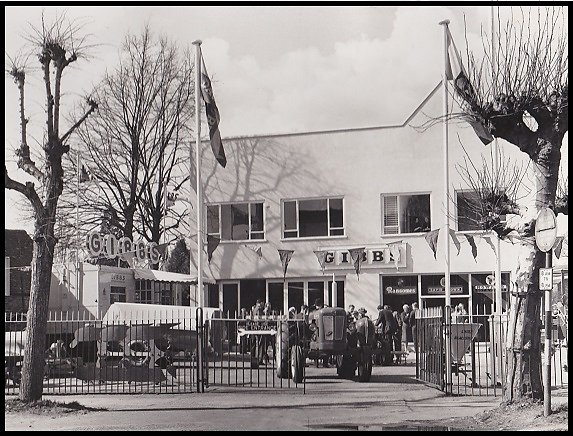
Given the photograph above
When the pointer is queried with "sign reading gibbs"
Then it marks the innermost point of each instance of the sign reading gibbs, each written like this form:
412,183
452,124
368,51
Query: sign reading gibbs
110,247
383,257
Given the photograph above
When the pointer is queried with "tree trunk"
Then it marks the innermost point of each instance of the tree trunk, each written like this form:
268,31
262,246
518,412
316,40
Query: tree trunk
33,367
523,376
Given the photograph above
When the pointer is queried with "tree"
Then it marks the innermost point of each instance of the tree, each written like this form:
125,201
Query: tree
134,143
57,45
178,260
525,102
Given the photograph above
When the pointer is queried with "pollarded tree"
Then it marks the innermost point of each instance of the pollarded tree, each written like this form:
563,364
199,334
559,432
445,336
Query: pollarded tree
57,45
525,102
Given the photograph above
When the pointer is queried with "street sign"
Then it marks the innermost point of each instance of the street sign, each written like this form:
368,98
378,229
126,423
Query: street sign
545,229
545,279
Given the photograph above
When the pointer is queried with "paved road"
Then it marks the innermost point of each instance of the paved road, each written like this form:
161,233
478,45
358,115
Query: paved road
391,397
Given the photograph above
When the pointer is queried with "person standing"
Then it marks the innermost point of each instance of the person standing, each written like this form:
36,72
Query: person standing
406,326
397,335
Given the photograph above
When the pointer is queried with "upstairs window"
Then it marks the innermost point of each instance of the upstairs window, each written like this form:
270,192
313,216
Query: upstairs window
313,217
405,214
236,222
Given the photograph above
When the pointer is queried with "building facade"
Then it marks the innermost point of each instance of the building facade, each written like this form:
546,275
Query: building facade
379,188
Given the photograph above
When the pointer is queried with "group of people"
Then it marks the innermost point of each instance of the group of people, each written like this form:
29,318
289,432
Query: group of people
397,329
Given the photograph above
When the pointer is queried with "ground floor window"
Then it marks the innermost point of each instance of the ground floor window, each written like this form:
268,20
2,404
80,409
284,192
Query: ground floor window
117,294
399,290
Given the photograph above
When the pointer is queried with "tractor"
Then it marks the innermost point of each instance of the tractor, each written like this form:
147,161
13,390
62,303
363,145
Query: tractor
326,333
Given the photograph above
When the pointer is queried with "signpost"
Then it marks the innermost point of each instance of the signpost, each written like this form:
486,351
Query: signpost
545,237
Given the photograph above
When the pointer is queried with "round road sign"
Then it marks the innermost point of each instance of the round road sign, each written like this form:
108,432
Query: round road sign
545,229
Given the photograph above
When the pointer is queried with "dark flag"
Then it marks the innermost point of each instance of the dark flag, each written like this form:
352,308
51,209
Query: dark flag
472,243
285,256
455,239
212,244
356,256
321,256
559,246
432,240
212,117
455,72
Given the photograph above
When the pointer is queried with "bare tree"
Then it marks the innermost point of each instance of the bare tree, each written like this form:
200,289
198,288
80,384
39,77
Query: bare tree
526,103
57,45
134,143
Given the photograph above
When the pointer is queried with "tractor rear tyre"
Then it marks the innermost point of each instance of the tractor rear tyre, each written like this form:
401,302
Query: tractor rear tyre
365,364
297,364
282,347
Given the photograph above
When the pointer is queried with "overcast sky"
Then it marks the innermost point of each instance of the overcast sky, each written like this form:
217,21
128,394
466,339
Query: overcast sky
274,69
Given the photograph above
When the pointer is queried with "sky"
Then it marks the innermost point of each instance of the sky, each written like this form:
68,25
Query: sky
274,69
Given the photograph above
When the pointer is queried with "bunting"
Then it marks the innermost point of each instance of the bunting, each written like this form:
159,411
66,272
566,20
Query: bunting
432,240
212,244
356,255
472,243
321,256
455,239
395,252
257,250
285,256
559,246
488,240
213,117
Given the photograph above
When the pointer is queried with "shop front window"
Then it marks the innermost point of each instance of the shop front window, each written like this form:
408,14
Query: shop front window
117,295
399,290
295,294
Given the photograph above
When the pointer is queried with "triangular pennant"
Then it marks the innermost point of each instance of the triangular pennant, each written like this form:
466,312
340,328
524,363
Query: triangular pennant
488,240
129,258
558,246
432,240
455,239
472,243
395,252
321,256
163,250
356,256
285,256
212,244
257,250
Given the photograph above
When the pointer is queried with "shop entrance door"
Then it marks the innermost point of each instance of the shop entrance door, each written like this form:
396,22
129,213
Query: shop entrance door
230,299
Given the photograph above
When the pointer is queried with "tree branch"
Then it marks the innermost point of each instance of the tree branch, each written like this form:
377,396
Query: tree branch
25,189
93,106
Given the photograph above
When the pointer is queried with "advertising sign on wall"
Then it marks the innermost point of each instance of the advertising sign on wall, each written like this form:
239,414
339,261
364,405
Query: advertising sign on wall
109,246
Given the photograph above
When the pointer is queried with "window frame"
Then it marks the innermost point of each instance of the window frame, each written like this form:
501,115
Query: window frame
328,224
466,190
399,195
220,229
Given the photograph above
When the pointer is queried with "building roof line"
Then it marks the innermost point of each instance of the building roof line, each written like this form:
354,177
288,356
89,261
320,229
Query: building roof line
353,129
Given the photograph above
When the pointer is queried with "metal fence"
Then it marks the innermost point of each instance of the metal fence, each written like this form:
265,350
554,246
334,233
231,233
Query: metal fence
478,353
253,352
158,354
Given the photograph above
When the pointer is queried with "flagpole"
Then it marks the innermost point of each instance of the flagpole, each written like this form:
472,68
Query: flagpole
498,289
446,169
447,341
78,230
197,45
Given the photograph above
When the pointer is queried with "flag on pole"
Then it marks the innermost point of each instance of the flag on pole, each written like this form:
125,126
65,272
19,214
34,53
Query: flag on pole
432,240
356,256
212,244
321,256
472,243
285,256
213,117
455,71
455,239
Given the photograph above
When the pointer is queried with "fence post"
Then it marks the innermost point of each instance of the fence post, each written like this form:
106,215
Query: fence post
199,321
448,347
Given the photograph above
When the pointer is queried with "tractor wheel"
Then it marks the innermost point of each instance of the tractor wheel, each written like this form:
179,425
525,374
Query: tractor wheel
345,366
282,347
365,365
297,364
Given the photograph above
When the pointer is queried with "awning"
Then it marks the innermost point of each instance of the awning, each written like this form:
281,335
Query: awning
165,276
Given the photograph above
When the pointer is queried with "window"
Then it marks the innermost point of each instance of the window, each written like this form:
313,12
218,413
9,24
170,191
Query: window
236,222
313,217
6,276
405,214
117,295
143,292
468,210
